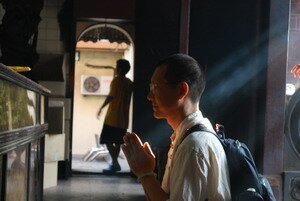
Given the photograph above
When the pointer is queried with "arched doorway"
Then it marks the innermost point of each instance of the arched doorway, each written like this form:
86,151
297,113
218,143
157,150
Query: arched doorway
98,48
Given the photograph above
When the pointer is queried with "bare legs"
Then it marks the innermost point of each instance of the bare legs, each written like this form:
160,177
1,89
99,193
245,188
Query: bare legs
114,150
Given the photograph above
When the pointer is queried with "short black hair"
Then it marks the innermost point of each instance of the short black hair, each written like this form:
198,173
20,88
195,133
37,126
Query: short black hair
181,67
123,66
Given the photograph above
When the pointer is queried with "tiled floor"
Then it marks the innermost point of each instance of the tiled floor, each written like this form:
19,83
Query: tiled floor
98,164
96,188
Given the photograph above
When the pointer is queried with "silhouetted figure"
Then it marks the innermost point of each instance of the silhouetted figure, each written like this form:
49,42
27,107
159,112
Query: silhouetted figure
117,117
19,31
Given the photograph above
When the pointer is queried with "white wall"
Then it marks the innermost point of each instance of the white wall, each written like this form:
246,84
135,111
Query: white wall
129,55
49,34
49,42
85,123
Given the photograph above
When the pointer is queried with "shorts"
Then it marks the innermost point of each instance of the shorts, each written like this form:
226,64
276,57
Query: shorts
112,134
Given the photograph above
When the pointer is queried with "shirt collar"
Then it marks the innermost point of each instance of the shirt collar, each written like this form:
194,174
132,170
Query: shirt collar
188,122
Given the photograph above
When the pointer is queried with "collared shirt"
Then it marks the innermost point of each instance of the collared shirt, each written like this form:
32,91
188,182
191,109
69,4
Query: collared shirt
118,111
197,167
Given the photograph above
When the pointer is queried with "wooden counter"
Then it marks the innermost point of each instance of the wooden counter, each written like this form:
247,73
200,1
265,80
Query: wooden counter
23,108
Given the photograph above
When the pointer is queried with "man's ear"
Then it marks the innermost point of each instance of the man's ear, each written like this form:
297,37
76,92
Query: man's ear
184,90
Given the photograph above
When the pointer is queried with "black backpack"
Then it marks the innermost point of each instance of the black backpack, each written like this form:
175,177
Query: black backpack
245,182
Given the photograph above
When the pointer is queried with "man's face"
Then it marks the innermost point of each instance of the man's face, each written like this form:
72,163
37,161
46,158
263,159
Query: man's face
162,95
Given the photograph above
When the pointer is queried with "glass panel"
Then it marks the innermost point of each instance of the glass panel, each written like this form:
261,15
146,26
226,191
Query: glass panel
1,178
16,181
42,109
31,106
33,172
17,106
39,173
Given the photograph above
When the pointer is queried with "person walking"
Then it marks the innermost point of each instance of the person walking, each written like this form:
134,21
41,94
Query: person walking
117,116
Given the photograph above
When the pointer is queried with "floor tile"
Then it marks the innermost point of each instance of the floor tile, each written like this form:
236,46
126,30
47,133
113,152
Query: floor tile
96,188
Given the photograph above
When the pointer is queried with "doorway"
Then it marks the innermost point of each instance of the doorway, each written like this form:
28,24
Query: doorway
98,48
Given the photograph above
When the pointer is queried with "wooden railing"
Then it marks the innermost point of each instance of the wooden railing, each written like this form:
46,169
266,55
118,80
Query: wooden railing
23,124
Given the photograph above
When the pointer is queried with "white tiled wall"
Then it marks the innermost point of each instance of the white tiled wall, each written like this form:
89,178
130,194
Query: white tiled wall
49,34
49,40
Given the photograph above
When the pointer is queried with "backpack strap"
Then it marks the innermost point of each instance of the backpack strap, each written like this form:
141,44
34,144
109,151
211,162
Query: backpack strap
198,127
220,134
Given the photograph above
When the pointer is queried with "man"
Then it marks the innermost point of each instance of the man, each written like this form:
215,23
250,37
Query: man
117,116
197,167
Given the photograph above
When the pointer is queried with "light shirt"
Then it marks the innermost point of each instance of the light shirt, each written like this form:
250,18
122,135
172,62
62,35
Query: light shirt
118,111
197,168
